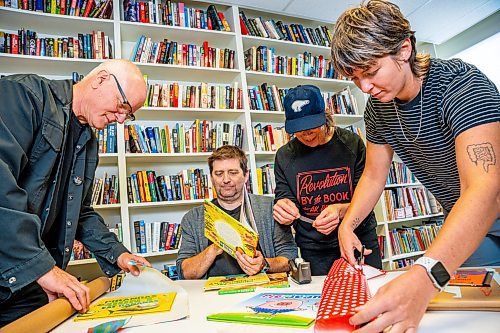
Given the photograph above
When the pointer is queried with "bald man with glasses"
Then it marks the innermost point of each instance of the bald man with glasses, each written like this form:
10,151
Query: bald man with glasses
48,157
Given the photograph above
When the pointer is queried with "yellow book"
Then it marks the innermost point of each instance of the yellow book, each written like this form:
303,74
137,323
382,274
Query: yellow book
260,184
228,233
129,305
234,281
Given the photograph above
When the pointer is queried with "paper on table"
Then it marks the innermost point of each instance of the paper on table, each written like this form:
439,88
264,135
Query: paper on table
150,281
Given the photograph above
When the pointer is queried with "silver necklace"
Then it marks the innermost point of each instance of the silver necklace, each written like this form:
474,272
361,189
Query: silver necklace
421,114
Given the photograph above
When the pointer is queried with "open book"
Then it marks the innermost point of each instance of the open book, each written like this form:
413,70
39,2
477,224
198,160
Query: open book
228,233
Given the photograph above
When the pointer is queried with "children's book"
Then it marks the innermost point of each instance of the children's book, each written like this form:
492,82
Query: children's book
275,309
228,233
471,277
129,305
277,280
234,281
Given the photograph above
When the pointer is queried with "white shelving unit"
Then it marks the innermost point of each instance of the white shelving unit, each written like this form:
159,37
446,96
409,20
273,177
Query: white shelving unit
123,36
385,225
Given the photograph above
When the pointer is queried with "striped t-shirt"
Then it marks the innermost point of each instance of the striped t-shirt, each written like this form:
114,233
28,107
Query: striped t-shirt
456,97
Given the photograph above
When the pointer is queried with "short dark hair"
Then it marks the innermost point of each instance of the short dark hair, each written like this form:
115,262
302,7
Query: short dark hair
371,31
228,152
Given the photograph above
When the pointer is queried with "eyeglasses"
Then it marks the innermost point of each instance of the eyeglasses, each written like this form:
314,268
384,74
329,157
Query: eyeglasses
125,107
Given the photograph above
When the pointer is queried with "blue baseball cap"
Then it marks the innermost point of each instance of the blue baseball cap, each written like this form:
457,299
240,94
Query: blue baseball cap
304,109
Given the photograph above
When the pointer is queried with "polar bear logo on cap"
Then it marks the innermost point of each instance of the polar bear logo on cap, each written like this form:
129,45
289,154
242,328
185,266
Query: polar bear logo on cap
299,104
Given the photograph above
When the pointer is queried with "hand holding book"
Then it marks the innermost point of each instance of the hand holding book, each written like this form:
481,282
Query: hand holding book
249,265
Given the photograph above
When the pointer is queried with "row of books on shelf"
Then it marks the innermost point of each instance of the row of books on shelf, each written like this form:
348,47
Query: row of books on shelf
407,202
288,32
174,14
156,236
106,138
413,239
188,184
400,174
95,45
263,59
105,191
266,181
85,8
269,138
170,52
203,95
342,102
266,97
401,263
200,136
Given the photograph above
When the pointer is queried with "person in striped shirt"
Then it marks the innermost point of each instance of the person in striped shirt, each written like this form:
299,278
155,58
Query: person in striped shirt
442,118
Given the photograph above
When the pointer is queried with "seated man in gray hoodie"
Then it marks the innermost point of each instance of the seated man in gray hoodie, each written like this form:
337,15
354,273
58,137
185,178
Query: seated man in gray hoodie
199,258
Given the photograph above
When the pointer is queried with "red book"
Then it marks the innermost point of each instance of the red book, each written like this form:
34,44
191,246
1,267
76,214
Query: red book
142,12
170,234
14,44
62,10
88,8
244,30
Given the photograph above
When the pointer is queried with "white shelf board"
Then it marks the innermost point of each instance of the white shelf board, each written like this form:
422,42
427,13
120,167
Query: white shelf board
170,113
188,73
108,158
131,31
167,157
415,218
283,47
414,184
49,66
146,205
290,81
109,206
407,255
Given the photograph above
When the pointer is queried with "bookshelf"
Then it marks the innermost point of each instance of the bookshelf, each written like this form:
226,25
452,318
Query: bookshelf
123,36
405,234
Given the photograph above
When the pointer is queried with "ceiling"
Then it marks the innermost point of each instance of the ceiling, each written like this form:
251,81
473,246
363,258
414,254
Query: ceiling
435,21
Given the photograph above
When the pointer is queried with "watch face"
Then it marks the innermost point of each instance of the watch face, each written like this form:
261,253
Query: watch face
440,274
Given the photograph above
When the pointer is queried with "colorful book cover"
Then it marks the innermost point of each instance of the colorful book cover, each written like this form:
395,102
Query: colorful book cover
234,281
275,309
129,305
228,233
277,280
471,278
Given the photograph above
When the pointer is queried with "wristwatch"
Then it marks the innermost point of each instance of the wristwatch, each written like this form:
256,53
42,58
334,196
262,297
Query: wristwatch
435,270
266,266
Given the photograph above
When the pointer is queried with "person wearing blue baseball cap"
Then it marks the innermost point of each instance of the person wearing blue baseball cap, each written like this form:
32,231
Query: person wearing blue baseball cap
316,174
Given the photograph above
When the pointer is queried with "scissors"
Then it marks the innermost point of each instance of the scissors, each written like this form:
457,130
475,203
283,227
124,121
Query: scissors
359,261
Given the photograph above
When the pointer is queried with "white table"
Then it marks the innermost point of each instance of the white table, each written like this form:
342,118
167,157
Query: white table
202,303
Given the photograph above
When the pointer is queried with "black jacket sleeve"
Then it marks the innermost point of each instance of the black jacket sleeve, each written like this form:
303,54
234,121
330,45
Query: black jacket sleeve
24,257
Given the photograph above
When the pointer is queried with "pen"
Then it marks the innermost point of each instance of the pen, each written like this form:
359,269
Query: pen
236,291
134,263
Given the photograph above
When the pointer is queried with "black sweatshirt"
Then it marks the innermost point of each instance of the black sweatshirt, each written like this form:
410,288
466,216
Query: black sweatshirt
314,178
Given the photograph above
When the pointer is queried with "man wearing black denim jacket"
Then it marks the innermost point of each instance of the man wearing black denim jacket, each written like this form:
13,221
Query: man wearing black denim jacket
48,156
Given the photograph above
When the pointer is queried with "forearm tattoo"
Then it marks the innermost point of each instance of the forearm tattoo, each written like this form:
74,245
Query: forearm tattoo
482,152
356,222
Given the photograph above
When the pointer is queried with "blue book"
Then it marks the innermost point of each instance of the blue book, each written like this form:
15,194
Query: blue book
156,131
111,144
142,232
258,99
142,139
151,138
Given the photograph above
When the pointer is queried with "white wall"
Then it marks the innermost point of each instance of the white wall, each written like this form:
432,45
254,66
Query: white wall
484,55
